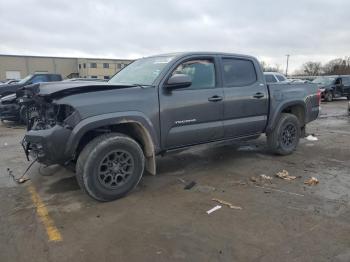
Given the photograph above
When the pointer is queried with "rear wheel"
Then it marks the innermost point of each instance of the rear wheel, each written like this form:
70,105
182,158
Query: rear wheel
329,96
284,139
110,166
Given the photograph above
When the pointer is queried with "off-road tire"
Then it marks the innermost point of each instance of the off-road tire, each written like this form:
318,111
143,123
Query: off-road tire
276,138
89,163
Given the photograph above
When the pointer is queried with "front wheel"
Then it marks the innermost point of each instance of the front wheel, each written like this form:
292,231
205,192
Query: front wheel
110,166
329,97
284,139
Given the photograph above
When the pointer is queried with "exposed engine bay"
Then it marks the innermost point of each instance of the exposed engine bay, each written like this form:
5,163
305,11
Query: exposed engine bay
42,112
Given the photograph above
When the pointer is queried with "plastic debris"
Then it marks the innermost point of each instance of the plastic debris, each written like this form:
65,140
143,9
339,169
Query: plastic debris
190,185
213,209
311,138
285,175
223,202
311,181
266,177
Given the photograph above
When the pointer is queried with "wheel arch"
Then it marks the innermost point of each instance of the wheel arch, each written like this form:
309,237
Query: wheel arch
297,108
138,128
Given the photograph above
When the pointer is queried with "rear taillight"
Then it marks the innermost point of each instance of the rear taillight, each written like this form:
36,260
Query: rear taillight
319,96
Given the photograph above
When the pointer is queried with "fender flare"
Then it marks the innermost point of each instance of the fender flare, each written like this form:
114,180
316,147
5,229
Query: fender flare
279,109
110,119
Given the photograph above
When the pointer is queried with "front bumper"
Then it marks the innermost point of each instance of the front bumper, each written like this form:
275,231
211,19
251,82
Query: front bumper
48,145
10,112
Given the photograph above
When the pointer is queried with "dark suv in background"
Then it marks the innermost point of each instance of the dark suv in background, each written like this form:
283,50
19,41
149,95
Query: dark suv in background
9,108
333,86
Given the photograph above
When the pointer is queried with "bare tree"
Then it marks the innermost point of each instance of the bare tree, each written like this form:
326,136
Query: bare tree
312,68
337,66
269,68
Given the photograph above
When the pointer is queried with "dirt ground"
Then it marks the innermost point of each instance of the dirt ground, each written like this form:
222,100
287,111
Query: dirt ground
160,221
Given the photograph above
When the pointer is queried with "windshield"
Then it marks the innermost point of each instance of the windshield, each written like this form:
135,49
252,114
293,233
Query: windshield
324,80
141,72
25,79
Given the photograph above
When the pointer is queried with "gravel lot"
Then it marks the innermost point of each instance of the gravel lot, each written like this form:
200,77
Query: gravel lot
160,221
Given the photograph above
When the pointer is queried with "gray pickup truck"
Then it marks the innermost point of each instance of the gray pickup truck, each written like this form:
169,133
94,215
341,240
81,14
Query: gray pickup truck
112,131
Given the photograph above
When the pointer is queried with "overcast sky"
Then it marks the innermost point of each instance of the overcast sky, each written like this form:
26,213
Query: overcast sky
316,30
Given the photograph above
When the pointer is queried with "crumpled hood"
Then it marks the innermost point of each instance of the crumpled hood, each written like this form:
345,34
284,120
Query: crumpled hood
61,89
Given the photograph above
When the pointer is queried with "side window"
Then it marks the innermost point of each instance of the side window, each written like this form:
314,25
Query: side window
201,71
238,72
39,79
281,78
338,81
270,79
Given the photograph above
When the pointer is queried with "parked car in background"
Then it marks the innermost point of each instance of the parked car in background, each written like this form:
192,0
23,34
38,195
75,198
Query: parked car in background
8,89
274,77
9,81
9,107
333,86
112,131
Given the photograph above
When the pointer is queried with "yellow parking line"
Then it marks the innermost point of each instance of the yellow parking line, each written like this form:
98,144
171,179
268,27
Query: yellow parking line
41,210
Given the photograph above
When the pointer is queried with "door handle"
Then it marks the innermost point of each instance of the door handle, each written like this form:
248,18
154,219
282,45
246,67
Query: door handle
215,98
258,95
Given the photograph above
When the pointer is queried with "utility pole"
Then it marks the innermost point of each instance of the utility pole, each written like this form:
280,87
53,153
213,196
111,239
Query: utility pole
287,65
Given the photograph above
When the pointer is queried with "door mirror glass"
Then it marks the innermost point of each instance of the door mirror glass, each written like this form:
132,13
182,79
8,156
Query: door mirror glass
179,81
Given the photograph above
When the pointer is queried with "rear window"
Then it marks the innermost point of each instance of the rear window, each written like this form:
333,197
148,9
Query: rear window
270,79
238,72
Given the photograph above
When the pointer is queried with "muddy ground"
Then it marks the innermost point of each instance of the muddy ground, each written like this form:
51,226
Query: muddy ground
160,221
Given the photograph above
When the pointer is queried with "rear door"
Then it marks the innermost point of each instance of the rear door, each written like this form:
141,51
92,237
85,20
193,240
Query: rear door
346,86
192,115
245,95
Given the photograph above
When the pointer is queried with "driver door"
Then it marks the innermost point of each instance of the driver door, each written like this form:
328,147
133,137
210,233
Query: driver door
194,114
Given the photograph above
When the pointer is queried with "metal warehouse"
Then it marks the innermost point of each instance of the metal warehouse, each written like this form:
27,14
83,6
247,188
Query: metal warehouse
18,66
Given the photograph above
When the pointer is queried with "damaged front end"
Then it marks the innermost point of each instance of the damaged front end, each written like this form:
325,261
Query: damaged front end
49,125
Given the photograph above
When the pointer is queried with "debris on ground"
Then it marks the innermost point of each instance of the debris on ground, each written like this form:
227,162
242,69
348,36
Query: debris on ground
213,209
311,138
285,175
311,181
223,202
265,177
262,179
190,185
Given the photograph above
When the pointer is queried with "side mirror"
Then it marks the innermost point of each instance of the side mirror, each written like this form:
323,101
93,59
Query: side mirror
178,81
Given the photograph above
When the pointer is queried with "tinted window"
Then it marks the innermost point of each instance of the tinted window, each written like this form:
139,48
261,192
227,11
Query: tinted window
56,78
338,81
270,79
281,78
346,81
238,72
39,79
201,71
